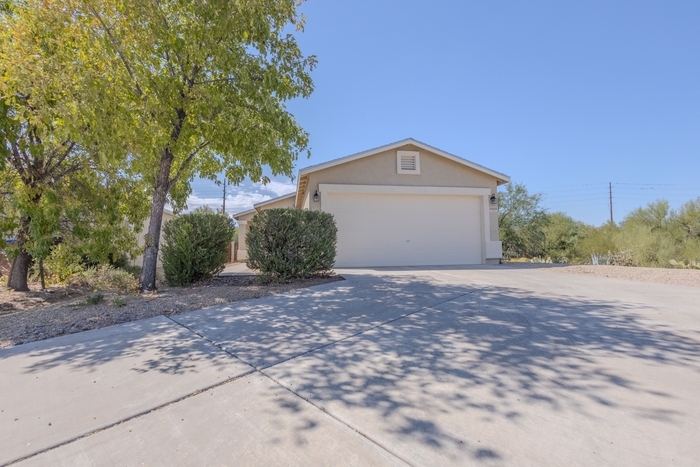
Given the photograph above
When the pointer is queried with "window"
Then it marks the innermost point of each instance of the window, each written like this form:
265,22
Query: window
408,162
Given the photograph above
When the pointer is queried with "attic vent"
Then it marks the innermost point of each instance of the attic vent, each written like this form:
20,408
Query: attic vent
408,162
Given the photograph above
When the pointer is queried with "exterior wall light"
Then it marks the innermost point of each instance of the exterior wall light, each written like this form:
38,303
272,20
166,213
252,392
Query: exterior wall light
493,199
317,198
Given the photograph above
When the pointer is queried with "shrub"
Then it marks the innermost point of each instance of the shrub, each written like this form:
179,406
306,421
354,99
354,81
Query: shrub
195,246
105,278
94,299
285,244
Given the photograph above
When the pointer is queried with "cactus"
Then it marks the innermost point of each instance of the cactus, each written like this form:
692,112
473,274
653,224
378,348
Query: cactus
600,259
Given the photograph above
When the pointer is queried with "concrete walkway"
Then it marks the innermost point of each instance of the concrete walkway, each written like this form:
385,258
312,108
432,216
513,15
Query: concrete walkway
442,366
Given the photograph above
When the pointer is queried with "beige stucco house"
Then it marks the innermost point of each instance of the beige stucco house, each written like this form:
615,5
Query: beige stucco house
403,204
141,239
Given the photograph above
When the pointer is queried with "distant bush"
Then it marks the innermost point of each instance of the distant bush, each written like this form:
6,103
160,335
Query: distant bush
286,244
195,246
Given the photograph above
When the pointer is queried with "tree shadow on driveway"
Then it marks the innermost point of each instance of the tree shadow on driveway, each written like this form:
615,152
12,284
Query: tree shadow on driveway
506,376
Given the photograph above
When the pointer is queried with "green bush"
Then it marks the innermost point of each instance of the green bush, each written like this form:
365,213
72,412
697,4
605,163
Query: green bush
195,246
286,244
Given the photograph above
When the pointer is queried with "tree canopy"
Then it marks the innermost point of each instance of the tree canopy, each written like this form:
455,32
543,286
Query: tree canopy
190,89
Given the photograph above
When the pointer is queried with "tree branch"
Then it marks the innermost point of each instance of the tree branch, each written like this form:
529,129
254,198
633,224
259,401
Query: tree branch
61,158
117,45
187,162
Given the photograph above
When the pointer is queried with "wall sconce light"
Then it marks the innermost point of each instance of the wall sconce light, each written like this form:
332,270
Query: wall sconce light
493,199
317,198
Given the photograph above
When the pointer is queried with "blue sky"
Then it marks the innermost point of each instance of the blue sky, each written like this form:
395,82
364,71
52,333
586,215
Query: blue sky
562,96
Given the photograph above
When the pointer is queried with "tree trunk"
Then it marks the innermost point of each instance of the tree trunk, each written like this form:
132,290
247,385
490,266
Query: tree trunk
19,271
150,254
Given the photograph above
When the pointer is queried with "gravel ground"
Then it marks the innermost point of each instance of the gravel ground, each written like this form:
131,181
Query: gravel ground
36,315
687,277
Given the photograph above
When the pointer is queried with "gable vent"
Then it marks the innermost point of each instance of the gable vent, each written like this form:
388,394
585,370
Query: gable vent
408,162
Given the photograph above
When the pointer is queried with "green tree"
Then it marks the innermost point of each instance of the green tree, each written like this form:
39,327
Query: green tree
190,88
688,219
561,235
521,220
657,215
56,186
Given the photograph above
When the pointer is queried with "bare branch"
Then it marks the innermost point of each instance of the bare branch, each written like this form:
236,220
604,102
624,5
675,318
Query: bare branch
69,149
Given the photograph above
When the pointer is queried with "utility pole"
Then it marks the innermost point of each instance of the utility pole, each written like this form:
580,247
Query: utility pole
224,210
611,204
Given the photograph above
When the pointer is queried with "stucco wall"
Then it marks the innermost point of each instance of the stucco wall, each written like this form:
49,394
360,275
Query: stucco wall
141,238
380,169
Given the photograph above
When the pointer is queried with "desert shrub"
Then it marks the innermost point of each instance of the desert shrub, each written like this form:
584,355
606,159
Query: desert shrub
285,244
94,299
105,278
195,246
623,258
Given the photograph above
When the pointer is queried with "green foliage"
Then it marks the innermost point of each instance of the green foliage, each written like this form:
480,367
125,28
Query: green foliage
521,220
195,246
651,236
63,263
60,188
94,299
286,244
173,90
119,302
595,241
561,234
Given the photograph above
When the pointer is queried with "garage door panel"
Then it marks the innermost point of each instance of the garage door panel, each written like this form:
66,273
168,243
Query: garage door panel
405,230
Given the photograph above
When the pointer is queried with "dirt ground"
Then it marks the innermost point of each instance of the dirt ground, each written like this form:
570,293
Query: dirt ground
687,277
37,315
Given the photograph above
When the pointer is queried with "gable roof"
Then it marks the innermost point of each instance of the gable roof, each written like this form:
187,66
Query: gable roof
303,178
500,176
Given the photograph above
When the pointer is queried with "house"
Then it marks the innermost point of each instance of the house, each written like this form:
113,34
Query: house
403,204
141,239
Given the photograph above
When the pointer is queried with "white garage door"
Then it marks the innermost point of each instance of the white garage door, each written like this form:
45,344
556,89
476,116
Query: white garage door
406,229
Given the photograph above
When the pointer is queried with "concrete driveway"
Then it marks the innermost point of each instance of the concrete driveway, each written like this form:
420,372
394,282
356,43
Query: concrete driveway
444,366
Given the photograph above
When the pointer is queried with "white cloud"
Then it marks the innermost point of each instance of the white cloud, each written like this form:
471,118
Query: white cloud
241,201
241,198
278,188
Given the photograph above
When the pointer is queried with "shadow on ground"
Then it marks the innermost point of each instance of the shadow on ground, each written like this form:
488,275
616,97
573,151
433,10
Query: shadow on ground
468,376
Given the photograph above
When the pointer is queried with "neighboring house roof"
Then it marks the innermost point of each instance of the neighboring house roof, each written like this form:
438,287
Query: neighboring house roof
274,200
244,213
264,203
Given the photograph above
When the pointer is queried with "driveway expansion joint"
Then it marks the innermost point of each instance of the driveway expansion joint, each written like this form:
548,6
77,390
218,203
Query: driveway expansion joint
253,368
339,420
133,417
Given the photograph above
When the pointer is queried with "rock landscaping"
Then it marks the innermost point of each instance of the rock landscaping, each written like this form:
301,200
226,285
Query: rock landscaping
37,315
